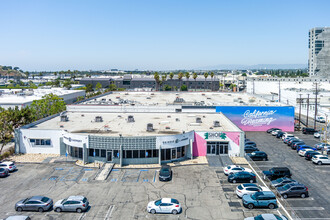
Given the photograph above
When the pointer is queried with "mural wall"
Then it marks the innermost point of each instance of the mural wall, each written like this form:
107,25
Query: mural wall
260,118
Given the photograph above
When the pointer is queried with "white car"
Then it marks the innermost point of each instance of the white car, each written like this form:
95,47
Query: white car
287,135
164,205
9,165
320,159
303,151
317,134
275,132
249,188
320,119
267,217
235,169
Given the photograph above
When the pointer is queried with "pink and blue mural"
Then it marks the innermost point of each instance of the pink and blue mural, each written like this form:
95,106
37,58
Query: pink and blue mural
260,118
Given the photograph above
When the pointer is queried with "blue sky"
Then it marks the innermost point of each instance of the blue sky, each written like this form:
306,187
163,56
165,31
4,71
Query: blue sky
156,34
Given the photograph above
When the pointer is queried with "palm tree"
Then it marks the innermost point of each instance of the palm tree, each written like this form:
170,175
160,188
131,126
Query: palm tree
212,75
187,75
195,77
156,77
206,74
180,75
171,77
163,79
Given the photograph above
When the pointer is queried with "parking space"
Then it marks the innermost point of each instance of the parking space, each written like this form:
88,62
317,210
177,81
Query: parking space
315,177
133,175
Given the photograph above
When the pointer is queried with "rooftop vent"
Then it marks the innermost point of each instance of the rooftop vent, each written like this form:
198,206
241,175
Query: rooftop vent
216,124
177,119
198,120
64,118
130,119
179,100
82,115
168,116
98,119
150,127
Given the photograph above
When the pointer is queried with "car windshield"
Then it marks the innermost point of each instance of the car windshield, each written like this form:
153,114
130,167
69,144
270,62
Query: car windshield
64,200
259,217
25,200
228,167
253,196
174,201
240,187
279,180
157,202
287,186
85,199
44,199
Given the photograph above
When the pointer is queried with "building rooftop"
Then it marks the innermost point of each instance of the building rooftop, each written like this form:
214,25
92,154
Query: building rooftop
182,98
113,124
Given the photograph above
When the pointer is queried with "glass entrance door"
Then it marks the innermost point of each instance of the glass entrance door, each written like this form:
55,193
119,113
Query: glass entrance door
216,148
109,155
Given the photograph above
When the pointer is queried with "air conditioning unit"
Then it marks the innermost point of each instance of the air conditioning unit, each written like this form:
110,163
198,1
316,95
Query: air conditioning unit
198,120
64,118
150,127
130,119
98,119
216,124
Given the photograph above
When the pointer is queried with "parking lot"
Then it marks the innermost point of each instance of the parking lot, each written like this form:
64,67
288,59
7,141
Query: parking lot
315,177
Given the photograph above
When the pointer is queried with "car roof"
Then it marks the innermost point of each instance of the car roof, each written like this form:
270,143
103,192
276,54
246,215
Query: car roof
234,166
165,166
258,151
249,185
280,168
37,197
266,193
320,155
269,216
7,162
76,198
166,200
17,217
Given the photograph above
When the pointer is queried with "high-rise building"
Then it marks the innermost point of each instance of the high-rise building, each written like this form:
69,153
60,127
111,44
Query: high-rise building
319,52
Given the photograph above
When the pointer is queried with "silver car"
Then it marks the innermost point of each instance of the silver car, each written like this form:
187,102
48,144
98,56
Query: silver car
72,204
35,203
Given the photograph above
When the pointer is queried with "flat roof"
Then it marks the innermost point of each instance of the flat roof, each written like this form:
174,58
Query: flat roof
188,98
114,124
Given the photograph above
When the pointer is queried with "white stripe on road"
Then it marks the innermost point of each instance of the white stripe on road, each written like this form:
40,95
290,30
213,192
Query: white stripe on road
82,216
109,212
307,208
299,199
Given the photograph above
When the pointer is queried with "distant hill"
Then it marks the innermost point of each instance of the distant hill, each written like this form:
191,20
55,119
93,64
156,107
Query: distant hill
257,66
11,71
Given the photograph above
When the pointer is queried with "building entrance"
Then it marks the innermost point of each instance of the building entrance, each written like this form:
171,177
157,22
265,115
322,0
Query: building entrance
217,147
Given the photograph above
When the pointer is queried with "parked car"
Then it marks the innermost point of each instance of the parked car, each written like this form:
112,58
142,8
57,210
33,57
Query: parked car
249,188
260,199
293,190
300,147
296,144
234,169
317,134
302,152
292,140
310,154
281,182
3,172
280,134
164,205
250,149
18,217
272,129
274,132
308,130
34,203
72,204
285,140
276,172
242,177
287,135
258,155
165,173
320,159
267,217
9,165
320,119
250,143
320,146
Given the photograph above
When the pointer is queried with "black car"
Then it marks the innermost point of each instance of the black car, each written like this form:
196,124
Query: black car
280,134
293,190
250,149
258,155
310,154
291,140
308,130
250,143
242,177
277,172
296,144
165,173
272,129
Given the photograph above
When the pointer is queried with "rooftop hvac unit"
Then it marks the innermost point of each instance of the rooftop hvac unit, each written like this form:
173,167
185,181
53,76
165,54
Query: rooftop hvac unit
64,118
177,119
98,119
150,127
216,124
198,120
130,119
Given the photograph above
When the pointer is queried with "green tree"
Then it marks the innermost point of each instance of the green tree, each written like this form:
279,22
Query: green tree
156,77
6,129
89,88
112,87
180,75
184,88
67,84
195,77
167,88
98,86
212,75
49,104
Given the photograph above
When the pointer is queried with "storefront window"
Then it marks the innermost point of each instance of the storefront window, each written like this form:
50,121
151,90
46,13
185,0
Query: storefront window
149,153
103,153
97,152
116,153
128,154
178,152
142,153
135,154
91,152
173,153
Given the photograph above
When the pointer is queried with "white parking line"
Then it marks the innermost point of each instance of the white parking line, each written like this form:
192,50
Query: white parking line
109,212
314,218
82,216
307,208
134,212
299,199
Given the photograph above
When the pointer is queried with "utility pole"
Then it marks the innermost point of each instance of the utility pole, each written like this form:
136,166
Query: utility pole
307,109
315,114
279,90
299,108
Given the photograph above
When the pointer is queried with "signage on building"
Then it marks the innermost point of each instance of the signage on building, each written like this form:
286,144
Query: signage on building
215,135
74,139
260,118
174,140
